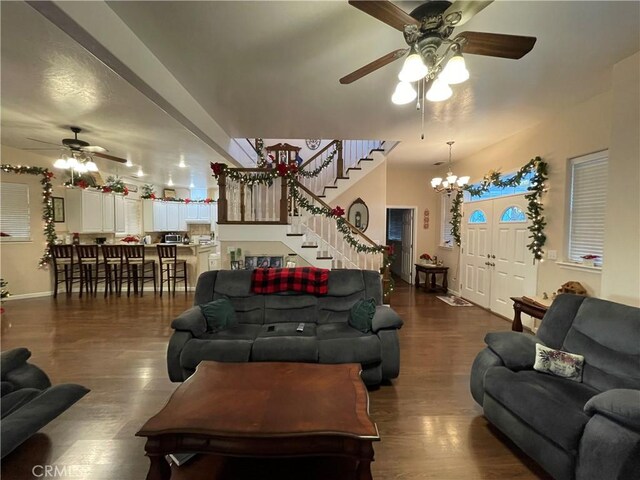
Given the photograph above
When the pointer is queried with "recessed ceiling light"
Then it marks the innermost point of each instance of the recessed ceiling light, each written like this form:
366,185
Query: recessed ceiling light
170,183
182,164
191,185
140,172
129,163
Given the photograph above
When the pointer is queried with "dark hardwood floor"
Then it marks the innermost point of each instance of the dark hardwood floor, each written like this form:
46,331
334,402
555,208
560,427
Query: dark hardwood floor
430,426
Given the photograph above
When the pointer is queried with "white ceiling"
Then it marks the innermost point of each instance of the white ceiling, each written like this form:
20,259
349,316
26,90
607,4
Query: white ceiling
271,69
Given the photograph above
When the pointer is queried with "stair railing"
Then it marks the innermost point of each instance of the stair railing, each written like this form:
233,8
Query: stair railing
323,231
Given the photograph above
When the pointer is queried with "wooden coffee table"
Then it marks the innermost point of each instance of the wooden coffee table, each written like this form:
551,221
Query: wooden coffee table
265,410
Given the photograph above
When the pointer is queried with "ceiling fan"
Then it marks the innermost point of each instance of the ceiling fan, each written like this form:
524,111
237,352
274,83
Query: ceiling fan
79,149
427,30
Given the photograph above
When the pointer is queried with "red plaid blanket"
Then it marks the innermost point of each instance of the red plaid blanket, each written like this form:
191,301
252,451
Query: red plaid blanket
302,279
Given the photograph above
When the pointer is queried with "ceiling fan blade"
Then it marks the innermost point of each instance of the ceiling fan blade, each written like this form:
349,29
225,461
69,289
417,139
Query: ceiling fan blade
465,10
386,12
109,157
373,66
48,143
497,44
94,149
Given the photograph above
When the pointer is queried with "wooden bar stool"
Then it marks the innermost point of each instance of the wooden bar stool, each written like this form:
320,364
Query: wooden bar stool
89,261
169,263
113,268
142,270
64,266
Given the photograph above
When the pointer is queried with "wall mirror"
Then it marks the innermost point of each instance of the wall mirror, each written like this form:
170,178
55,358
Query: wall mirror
358,214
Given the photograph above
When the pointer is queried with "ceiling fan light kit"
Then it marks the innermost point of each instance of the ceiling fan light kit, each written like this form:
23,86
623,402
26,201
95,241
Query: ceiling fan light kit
413,69
439,91
455,71
404,93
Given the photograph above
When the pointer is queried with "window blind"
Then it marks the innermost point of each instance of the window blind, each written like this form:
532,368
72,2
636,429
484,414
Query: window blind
132,216
15,221
446,238
588,204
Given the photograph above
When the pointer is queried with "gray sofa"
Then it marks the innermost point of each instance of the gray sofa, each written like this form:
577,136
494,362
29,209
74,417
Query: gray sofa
574,430
28,400
327,337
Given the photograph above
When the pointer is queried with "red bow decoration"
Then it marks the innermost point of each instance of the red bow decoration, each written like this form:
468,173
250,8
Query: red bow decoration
106,189
282,169
126,191
152,196
207,200
390,249
337,211
217,168
187,200
82,184
49,174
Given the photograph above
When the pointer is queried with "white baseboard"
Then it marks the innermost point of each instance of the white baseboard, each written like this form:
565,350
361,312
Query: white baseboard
24,296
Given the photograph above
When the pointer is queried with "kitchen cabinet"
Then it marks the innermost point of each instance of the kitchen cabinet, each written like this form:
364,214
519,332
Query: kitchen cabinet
119,214
173,216
192,211
159,217
204,212
90,211
182,214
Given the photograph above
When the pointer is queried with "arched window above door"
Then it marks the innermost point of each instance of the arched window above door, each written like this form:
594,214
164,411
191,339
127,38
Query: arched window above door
513,214
477,216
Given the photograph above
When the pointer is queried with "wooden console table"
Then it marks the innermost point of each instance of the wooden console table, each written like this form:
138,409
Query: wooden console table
430,277
525,305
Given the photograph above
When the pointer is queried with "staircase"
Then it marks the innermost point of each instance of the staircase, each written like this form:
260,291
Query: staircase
268,213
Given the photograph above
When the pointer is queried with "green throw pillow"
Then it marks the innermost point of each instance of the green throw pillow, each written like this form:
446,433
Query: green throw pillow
361,315
219,314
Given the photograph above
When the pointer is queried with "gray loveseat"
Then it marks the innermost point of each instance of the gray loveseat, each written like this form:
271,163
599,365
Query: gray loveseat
574,430
266,328
28,400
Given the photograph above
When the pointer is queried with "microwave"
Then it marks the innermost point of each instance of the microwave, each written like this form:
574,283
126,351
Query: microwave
172,238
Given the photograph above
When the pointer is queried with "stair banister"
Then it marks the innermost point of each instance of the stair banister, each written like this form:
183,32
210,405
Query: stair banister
318,153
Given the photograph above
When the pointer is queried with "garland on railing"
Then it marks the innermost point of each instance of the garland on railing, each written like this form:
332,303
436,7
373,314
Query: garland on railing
315,172
534,209
47,205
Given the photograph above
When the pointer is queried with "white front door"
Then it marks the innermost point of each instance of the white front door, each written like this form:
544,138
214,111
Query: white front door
407,245
476,246
495,261
513,269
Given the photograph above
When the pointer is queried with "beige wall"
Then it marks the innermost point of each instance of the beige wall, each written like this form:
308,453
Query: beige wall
372,190
257,249
410,187
621,269
584,128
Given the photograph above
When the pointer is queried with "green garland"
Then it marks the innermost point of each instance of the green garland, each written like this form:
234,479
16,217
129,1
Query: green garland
47,205
534,209
314,173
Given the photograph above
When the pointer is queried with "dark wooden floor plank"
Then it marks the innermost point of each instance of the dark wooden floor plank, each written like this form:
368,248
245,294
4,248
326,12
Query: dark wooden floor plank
429,424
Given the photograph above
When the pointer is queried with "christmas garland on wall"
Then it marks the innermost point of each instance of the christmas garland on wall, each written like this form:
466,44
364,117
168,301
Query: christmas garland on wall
534,209
47,205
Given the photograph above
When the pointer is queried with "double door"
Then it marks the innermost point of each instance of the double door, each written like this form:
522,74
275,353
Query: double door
495,261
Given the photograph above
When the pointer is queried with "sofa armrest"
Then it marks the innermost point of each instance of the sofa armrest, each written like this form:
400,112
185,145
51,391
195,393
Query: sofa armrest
516,350
12,359
192,321
620,405
385,317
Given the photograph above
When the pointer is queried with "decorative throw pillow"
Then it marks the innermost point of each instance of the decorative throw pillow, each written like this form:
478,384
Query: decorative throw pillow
559,363
219,314
361,315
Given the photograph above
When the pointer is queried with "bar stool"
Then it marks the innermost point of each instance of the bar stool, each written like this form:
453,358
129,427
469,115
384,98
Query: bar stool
137,265
169,263
113,268
89,261
64,263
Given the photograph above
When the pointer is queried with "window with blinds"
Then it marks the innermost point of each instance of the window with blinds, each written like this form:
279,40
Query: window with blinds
15,220
587,208
446,238
132,216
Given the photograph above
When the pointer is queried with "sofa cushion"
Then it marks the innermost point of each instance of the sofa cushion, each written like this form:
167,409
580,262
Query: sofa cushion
281,342
220,350
552,406
12,359
290,307
340,343
608,335
336,309
239,331
343,283
14,400
248,309
361,315
556,362
219,314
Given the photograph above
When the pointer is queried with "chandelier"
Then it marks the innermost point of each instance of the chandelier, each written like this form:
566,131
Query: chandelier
451,183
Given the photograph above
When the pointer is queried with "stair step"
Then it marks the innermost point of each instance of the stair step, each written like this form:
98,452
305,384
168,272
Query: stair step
330,186
377,149
354,168
295,234
367,159
309,246
324,258
322,196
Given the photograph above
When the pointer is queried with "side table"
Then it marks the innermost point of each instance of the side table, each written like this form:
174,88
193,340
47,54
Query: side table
528,306
430,278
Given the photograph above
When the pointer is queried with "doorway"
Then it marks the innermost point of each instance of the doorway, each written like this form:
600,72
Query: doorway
401,234
495,261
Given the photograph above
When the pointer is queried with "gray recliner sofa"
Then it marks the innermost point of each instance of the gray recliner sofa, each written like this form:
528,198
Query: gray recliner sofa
587,430
327,337
28,400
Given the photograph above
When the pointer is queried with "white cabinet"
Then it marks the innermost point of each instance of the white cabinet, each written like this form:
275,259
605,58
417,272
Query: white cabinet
204,212
120,223
159,217
173,216
182,214
90,211
192,211
214,216
108,213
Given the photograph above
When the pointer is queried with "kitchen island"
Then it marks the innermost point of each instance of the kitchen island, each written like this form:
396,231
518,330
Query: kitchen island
197,257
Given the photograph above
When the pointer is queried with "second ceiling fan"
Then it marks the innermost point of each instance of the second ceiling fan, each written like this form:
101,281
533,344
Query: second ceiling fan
433,55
